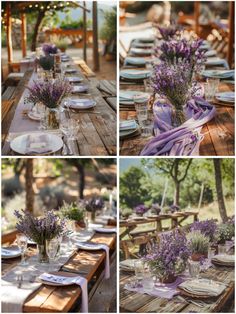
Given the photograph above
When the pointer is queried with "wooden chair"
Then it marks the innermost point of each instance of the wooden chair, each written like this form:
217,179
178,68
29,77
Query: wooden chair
9,237
84,67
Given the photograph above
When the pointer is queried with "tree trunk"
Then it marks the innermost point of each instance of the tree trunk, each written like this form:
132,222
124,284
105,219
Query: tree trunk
219,189
40,17
29,180
80,169
177,193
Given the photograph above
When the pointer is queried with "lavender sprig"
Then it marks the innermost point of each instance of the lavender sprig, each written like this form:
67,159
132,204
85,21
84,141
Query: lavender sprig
50,93
40,229
49,49
206,227
140,209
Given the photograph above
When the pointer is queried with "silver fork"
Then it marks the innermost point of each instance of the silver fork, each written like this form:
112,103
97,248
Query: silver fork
19,279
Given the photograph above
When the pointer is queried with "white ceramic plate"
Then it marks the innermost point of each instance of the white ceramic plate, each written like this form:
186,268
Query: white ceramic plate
210,53
141,51
18,144
126,97
34,115
135,74
80,89
70,71
226,97
65,283
221,74
74,79
135,61
81,103
7,253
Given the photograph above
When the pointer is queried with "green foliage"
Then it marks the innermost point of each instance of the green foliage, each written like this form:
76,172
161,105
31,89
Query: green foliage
225,232
132,190
73,211
108,29
197,242
68,23
126,212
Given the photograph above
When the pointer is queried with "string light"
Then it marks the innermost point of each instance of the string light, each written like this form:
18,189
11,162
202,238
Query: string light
48,7
30,6
36,5
67,3
42,7
55,6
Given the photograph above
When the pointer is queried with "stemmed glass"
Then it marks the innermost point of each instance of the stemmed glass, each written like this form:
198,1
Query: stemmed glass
69,128
52,247
22,242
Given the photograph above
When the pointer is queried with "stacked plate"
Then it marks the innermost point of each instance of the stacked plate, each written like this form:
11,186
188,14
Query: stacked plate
134,75
138,44
126,98
216,61
202,288
135,61
228,97
210,53
80,89
74,79
81,104
224,260
220,74
11,252
127,265
141,51
129,128
146,39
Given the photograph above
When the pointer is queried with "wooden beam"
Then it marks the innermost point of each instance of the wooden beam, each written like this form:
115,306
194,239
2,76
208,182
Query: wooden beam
230,54
9,38
83,7
196,16
95,37
84,34
23,35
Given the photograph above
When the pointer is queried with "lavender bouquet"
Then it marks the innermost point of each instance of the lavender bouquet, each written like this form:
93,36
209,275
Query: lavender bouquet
49,49
140,209
174,82
40,229
46,62
184,51
206,227
94,204
49,93
169,258
168,32
174,208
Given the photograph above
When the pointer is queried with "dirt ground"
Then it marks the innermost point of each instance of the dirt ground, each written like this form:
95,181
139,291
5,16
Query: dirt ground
107,68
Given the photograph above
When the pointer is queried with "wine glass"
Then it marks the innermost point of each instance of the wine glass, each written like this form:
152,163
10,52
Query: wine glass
22,242
52,247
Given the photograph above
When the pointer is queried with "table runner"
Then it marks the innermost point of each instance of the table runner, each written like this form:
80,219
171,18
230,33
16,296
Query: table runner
12,297
183,140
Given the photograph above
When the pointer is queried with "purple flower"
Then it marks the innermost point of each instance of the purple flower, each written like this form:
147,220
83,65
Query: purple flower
170,255
174,208
50,93
49,49
168,32
94,204
207,227
40,229
140,209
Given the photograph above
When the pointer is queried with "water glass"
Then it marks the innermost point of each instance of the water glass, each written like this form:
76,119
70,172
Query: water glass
52,248
194,268
142,115
22,242
141,101
147,128
214,83
209,92
139,268
228,245
211,253
221,249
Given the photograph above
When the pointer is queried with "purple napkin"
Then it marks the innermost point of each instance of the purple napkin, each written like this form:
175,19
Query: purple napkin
183,140
167,291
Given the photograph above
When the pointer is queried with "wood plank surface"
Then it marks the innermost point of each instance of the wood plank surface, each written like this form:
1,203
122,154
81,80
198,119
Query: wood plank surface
218,133
97,132
88,264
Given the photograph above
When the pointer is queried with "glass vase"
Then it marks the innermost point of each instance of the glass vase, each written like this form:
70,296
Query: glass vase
42,253
52,119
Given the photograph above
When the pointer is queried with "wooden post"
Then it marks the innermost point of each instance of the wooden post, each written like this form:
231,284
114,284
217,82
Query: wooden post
231,34
95,37
23,34
85,34
196,16
9,39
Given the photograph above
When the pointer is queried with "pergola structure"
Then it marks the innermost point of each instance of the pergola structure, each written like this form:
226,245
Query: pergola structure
21,8
231,17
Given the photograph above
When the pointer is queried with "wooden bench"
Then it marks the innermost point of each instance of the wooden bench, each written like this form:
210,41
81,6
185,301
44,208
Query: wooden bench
84,67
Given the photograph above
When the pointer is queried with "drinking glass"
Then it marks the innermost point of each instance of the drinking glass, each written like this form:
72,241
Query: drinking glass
214,84
52,247
147,128
194,268
141,101
22,242
142,115
148,86
139,268
211,253
147,280
221,249
228,245
209,92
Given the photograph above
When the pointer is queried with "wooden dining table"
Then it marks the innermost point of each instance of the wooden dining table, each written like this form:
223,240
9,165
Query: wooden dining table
88,264
129,225
218,133
143,303
97,126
